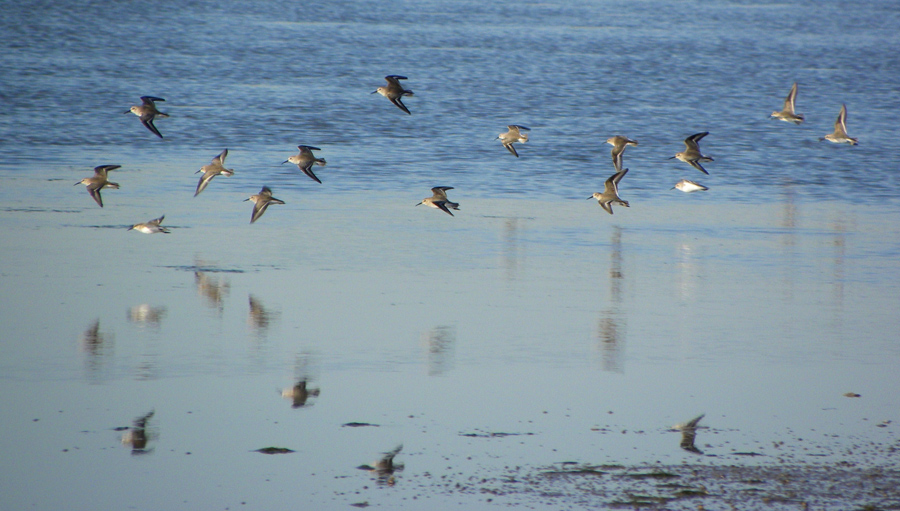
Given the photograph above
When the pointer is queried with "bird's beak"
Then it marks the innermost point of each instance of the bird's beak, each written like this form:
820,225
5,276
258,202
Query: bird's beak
285,161
130,228
78,183
245,200
127,111
672,158
374,91
672,188
419,204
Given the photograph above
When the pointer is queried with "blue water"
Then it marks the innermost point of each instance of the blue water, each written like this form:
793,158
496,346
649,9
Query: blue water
760,302
262,77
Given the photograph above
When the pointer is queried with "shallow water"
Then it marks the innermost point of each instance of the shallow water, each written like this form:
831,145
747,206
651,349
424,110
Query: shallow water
531,313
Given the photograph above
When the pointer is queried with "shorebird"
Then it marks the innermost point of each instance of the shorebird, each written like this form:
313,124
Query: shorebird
137,436
839,136
688,186
212,170
305,160
689,434
98,181
691,155
299,394
394,91
151,226
385,466
787,113
513,135
610,193
619,143
439,200
261,201
147,112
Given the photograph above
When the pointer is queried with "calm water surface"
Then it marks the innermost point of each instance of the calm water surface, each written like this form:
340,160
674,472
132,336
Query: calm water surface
532,312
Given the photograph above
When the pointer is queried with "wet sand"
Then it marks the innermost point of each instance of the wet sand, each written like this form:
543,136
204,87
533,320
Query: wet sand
726,486
580,336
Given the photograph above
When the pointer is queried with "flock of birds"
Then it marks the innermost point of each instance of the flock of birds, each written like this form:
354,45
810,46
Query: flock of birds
394,91
147,111
138,436
692,154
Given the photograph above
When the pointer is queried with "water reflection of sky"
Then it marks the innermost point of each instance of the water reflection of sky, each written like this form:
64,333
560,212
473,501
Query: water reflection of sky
602,328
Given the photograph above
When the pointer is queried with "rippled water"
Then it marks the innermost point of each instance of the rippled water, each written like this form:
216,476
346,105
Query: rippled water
261,77
532,312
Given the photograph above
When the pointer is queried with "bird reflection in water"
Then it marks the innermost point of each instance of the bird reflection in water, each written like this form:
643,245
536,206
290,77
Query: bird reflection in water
137,436
385,467
689,434
688,271
213,289
789,213
611,324
839,230
260,318
439,342
92,339
511,248
299,394
611,339
301,391
144,314
96,345
789,224
615,266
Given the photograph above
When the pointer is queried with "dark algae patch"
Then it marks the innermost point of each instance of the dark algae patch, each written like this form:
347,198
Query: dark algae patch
656,474
492,434
574,471
274,450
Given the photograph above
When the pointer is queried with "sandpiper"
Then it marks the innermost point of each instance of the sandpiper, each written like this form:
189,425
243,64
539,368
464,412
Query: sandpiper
840,130
787,113
98,181
691,155
305,160
261,201
688,186
212,170
689,434
137,436
513,135
619,143
610,193
385,466
439,200
151,226
147,112
394,91
299,393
